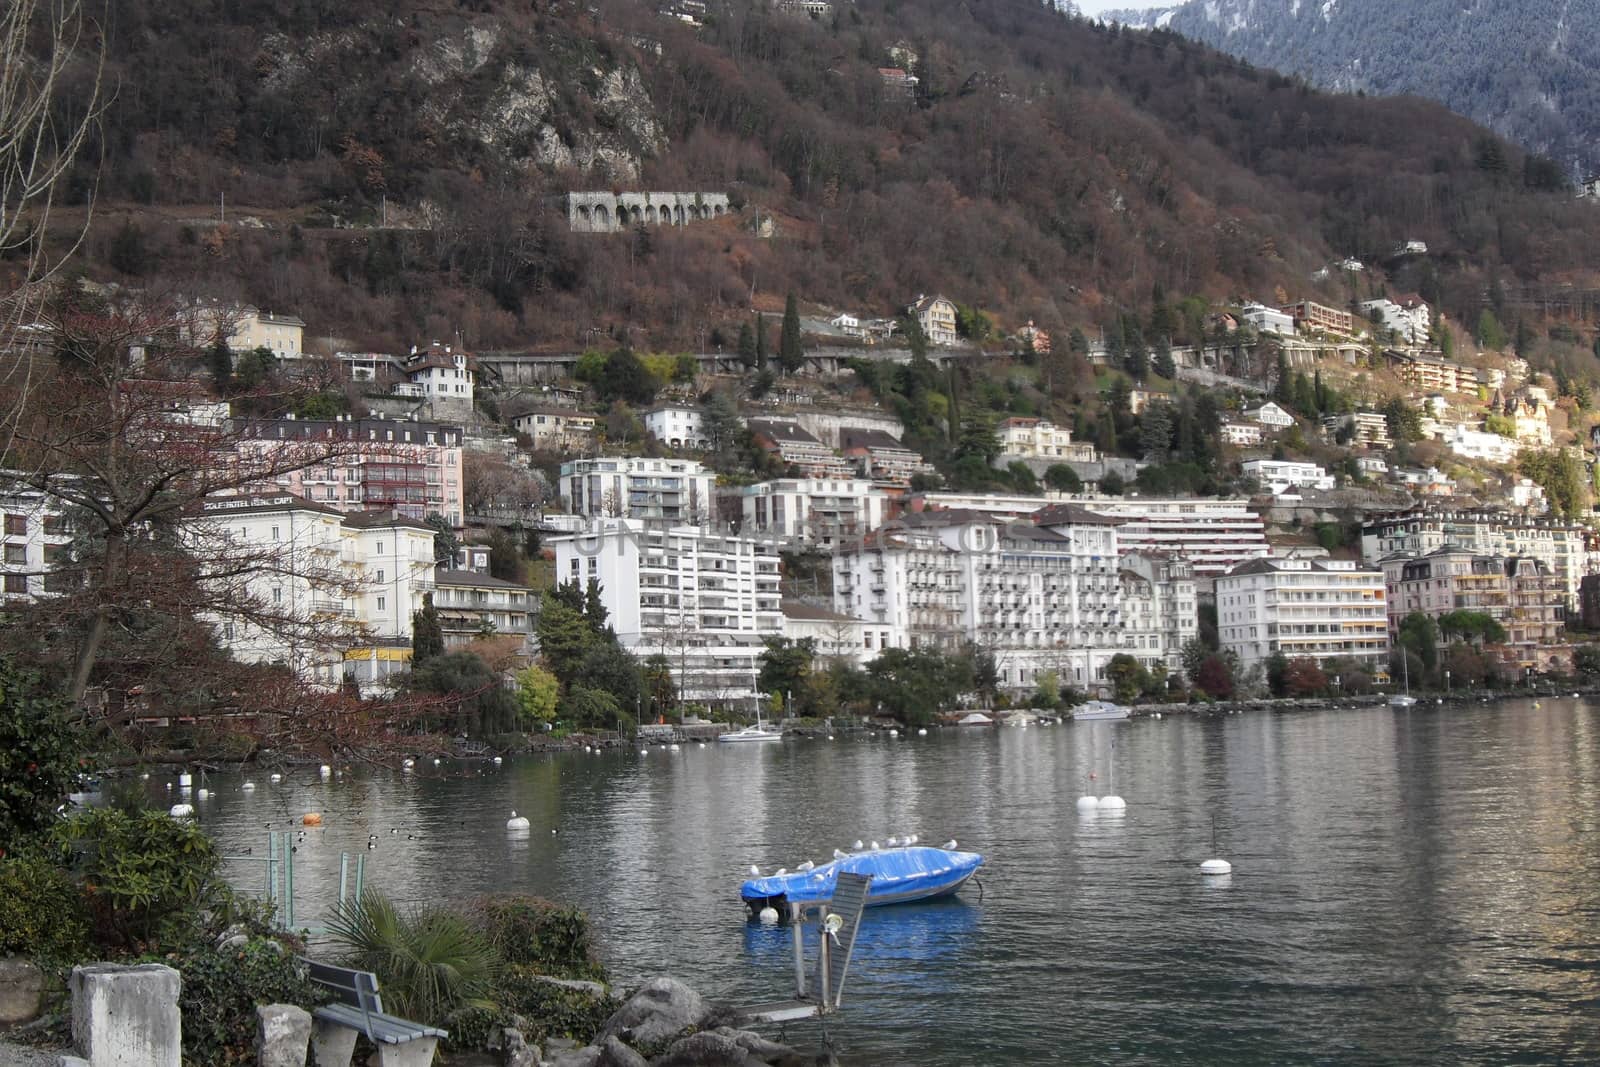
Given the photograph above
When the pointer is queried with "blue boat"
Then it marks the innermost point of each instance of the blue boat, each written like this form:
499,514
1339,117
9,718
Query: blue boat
899,875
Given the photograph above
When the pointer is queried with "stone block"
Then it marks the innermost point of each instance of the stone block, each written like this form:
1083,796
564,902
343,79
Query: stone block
283,1033
662,1008
418,1053
21,991
332,1044
125,1015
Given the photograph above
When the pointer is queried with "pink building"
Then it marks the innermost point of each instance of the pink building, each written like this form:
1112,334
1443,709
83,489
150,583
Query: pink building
411,468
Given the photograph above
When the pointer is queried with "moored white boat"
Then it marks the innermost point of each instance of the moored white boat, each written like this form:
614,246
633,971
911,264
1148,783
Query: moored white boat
758,732
1098,710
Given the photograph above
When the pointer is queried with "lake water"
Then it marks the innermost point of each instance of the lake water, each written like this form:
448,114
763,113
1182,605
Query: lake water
1408,887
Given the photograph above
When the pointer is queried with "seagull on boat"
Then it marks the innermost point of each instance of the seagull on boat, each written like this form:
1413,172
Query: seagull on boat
858,845
807,865
893,841
874,846
838,855
950,844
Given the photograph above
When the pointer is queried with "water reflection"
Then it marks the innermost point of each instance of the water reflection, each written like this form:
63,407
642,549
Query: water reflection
1408,887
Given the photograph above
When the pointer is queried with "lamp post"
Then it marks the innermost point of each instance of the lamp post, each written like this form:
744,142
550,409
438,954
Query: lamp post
1447,681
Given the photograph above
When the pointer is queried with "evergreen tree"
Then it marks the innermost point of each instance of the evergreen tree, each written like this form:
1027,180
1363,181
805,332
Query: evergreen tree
427,633
1489,332
1164,365
1155,432
594,609
221,360
445,541
1319,395
1283,389
790,357
747,345
761,342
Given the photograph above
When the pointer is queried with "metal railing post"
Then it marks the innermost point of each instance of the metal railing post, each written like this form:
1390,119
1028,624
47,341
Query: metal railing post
344,875
288,886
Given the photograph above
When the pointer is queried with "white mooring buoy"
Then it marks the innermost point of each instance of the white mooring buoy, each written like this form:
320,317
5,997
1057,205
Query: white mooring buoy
769,916
1113,803
1088,803
182,811
516,822
1215,867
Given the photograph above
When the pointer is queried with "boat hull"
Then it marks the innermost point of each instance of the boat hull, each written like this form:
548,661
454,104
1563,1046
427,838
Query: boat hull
743,738
1100,711
899,876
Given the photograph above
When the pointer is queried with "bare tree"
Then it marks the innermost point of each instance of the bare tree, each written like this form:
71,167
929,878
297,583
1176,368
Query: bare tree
115,442
43,43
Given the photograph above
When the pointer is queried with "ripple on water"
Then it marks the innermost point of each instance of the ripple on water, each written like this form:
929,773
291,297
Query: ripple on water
1406,887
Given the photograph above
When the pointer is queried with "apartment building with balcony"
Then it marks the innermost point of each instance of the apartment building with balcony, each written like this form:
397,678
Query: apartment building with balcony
1312,317
1565,550
37,539
1278,476
632,487
1519,593
1431,374
816,511
336,592
411,468
1041,601
705,601
1212,536
556,429
1325,610
798,448
1030,438
473,605
879,456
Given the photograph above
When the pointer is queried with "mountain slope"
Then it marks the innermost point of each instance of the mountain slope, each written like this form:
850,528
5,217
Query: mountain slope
1529,69
407,158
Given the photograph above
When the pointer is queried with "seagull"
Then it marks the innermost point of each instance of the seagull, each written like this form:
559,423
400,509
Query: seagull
950,844
782,871
893,841
874,846
755,872
858,845
807,865
839,855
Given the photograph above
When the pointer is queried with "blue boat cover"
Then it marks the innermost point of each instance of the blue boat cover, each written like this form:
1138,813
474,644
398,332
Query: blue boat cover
917,869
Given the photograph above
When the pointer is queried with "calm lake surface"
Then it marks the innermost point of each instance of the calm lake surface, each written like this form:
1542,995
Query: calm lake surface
1408,887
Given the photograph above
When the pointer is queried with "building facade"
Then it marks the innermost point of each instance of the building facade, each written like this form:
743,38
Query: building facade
668,490
1325,610
880,457
1213,536
37,541
1030,438
1312,317
676,426
472,605
816,511
554,429
704,601
937,317
412,468
1278,476
1518,593
797,447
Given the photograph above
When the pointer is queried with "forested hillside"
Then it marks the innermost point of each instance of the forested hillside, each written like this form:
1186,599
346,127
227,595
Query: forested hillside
394,169
1529,69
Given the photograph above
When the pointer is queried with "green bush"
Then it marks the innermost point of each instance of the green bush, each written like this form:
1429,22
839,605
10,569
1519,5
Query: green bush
148,878
535,933
40,756
42,915
552,1010
471,1028
428,963
221,988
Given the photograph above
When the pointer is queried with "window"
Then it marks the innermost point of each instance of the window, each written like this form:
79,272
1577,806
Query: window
16,583
16,526
380,576
380,548
275,535
17,554
277,594
380,603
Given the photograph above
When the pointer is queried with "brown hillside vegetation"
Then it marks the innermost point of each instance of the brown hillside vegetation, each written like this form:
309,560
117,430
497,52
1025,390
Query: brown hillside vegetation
1044,168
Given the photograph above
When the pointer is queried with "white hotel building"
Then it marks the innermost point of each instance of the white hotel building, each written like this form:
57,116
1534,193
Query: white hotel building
819,511
1320,609
1060,600
341,588
668,490
1213,536
706,602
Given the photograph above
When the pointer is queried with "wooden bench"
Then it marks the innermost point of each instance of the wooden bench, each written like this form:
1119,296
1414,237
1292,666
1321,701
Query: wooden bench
359,1010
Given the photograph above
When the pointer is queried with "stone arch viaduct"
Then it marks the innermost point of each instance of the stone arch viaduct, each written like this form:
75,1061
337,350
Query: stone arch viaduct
614,212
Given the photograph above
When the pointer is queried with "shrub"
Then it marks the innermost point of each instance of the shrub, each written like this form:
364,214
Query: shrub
552,1010
39,756
428,963
42,915
148,878
535,933
221,988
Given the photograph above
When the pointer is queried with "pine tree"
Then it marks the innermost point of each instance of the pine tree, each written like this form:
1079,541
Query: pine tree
221,364
1319,394
790,358
1283,390
427,633
747,345
761,342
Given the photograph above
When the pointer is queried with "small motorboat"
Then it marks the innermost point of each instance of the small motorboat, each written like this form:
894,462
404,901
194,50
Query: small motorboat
975,718
1100,710
899,875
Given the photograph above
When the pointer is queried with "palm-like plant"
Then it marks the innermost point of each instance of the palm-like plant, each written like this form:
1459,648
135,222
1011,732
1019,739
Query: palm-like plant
428,962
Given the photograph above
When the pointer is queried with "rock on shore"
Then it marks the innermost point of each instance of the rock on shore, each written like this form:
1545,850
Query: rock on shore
677,1027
